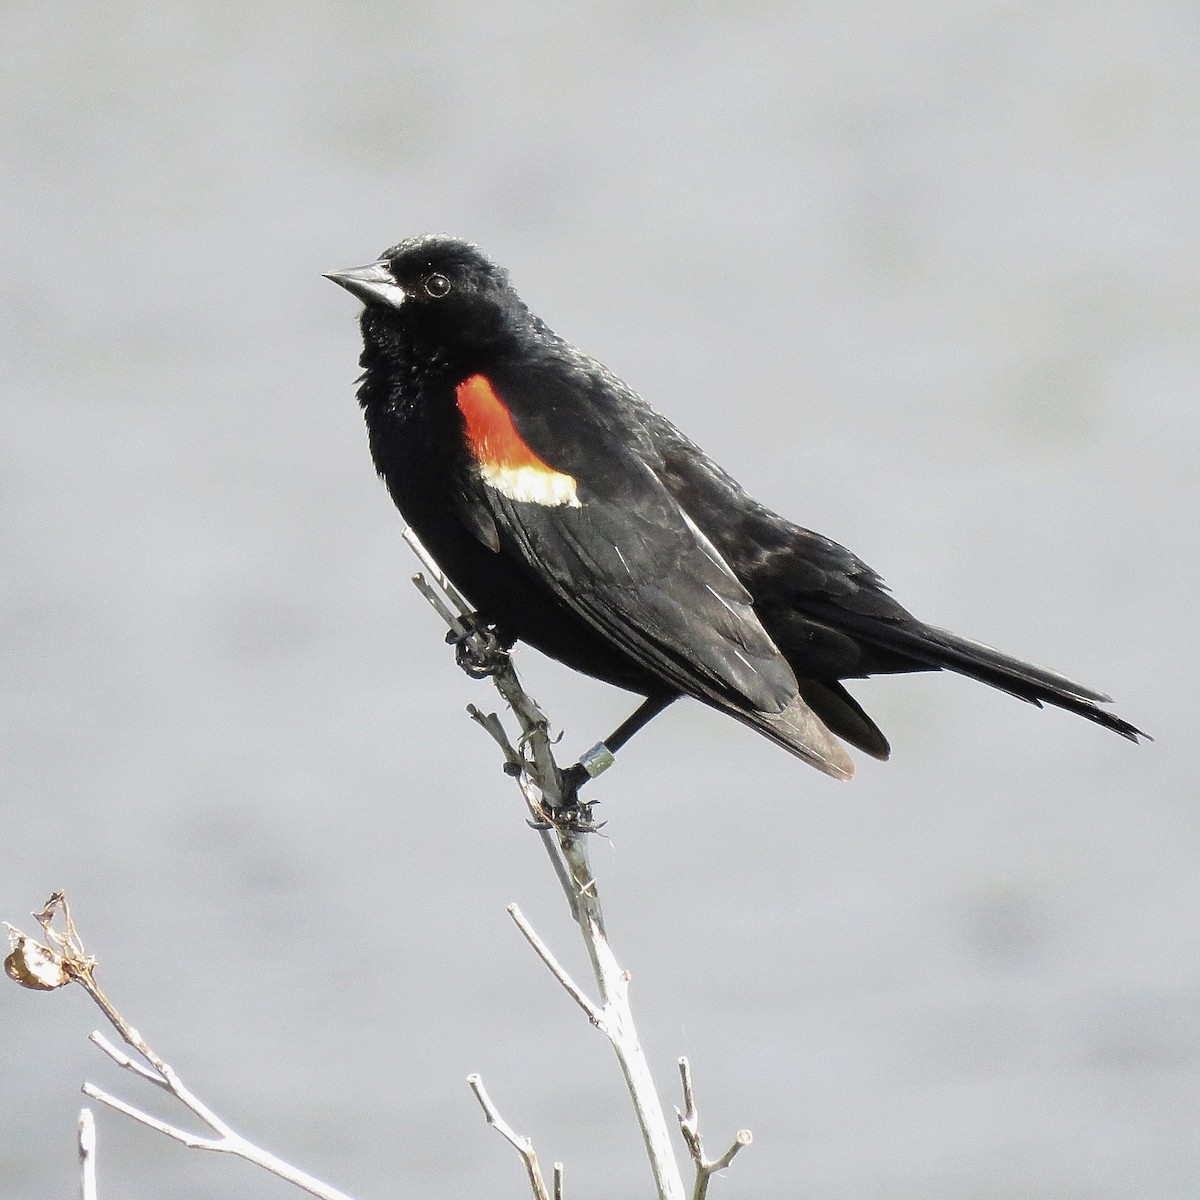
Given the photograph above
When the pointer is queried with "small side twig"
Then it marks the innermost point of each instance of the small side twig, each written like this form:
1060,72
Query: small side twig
594,1013
125,1062
522,1145
494,727
689,1126
514,765
430,594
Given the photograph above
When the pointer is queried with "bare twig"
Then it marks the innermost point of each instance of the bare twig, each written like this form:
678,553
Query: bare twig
495,729
689,1126
439,606
87,1155
436,572
193,1141
65,961
531,761
522,1145
594,1014
125,1062
541,783
613,983
514,765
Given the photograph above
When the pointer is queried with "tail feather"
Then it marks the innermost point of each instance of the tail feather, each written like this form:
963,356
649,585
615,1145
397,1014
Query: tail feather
941,649
798,729
844,716
1025,680
824,711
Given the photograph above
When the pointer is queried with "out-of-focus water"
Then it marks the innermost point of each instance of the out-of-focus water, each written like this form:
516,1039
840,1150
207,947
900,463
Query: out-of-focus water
924,275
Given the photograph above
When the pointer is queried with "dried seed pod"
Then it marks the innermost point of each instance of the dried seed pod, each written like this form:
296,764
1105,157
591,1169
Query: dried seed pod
34,966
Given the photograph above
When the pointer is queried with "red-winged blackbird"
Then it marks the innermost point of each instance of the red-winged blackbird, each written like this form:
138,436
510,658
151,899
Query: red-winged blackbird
579,520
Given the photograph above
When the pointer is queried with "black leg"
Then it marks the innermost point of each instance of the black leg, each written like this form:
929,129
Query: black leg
576,776
642,716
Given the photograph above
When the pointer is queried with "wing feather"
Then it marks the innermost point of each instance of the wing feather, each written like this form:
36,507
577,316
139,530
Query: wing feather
621,553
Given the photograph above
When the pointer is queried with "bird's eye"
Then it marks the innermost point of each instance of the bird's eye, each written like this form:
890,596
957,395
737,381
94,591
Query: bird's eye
437,286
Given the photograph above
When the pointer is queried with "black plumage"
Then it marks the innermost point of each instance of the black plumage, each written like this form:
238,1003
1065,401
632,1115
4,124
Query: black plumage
579,520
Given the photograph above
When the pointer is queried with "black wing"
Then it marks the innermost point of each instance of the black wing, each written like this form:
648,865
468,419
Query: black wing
630,561
832,615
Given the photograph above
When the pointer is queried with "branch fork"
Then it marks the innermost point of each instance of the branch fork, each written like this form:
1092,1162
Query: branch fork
689,1126
563,833
563,827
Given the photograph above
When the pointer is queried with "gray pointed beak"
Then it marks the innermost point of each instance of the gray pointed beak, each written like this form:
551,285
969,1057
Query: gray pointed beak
372,284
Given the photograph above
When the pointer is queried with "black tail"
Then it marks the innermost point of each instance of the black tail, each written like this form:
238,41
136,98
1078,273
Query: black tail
1035,684
940,649
844,716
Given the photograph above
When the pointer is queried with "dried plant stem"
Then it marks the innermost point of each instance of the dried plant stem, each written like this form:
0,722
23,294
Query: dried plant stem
689,1126
87,1155
564,833
540,780
617,1019
73,964
522,1145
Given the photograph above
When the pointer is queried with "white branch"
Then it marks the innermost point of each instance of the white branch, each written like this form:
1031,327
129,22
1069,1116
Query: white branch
541,784
594,1014
439,606
435,571
87,1155
522,1145
689,1126
192,1141
613,983
227,1142
124,1061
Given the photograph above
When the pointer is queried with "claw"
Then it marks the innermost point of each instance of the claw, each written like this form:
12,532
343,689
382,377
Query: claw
576,820
477,651
573,815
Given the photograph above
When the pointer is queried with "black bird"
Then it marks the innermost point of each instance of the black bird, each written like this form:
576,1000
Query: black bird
579,520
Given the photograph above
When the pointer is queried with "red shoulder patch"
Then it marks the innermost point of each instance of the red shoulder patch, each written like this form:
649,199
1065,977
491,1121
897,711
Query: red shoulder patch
491,434
506,461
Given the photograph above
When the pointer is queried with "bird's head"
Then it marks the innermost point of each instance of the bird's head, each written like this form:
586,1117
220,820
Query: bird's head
436,297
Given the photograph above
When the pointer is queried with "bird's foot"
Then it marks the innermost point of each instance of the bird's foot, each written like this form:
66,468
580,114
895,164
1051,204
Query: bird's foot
574,818
575,815
572,815
478,650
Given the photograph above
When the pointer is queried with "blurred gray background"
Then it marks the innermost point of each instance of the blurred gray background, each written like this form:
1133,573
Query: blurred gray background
924,276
